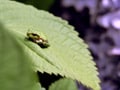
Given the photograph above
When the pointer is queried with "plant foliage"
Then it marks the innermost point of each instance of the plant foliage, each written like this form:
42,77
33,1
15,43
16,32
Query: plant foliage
15,69
40,4
64,84
67,54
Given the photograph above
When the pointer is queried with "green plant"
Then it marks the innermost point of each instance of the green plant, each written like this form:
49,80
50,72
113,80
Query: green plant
67,54
40,4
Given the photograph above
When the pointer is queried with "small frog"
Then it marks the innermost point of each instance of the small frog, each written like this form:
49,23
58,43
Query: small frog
39,39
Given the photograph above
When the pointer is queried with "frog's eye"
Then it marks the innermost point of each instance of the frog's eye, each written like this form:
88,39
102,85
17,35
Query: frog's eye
35,35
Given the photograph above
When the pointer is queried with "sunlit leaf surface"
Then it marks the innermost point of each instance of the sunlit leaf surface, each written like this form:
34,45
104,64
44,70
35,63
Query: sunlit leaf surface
67,54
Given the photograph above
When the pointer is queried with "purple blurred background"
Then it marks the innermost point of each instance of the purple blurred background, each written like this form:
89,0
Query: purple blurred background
98,22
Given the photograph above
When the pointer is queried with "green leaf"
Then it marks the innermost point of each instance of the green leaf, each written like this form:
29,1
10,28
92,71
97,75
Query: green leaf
67,54
40,4
64,84
15,69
